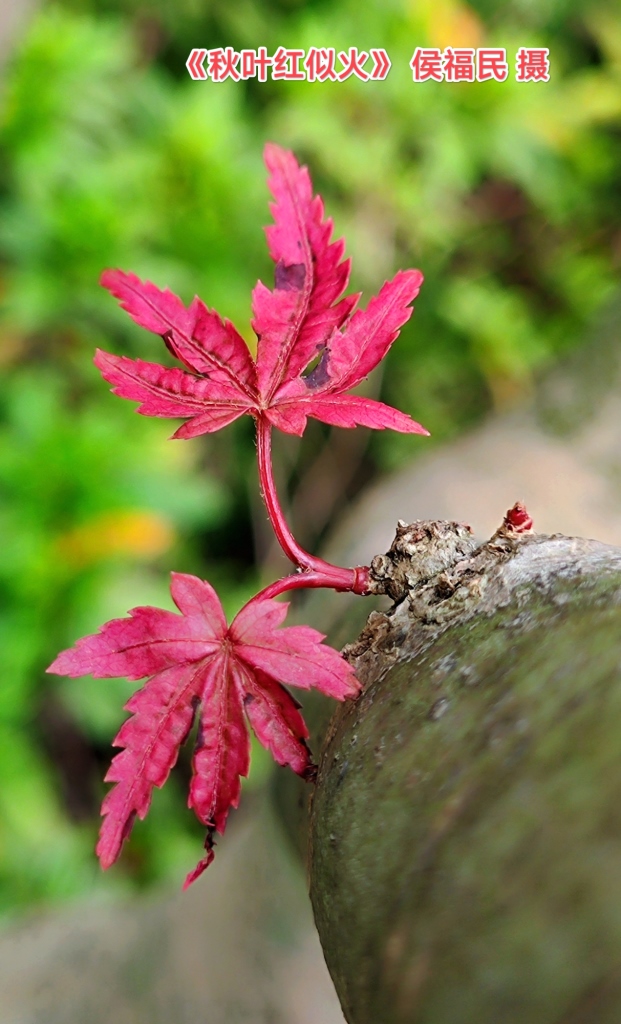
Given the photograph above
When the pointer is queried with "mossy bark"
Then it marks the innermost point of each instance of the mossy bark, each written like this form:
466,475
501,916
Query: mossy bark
465,833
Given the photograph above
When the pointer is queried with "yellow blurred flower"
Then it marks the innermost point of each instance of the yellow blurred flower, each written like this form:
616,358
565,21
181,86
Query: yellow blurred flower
134,532
449,23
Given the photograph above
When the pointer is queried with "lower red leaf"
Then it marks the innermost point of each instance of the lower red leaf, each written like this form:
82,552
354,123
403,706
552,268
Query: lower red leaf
200,662
222,753
151,739
277,723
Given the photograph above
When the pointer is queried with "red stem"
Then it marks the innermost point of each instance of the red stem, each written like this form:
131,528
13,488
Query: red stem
314,572
309,579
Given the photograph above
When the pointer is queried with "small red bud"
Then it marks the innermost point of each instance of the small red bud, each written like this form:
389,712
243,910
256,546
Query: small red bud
517,519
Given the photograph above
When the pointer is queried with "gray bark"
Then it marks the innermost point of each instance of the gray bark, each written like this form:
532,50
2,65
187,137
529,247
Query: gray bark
465,833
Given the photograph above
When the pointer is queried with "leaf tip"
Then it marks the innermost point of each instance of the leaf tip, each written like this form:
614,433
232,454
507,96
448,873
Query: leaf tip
111,278
204,863
273,154
109,847
309,774
104,361
56,667
66,664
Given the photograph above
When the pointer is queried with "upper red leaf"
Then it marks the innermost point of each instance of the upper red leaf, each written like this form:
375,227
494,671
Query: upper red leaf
294,321
302,318
197,336
164,391
199,665
351,354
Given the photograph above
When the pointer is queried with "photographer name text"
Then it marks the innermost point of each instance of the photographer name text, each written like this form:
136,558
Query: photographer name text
326,64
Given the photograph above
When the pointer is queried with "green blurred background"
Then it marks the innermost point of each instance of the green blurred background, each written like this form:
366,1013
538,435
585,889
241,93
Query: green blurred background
507,196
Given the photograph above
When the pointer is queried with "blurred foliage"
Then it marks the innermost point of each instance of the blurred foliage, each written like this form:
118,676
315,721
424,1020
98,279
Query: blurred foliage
506,195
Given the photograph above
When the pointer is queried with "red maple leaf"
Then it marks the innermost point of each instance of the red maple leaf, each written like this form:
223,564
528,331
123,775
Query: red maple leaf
302,318
198,664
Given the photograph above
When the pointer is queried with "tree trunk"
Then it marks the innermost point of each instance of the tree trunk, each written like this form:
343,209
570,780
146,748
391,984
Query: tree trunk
465,831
